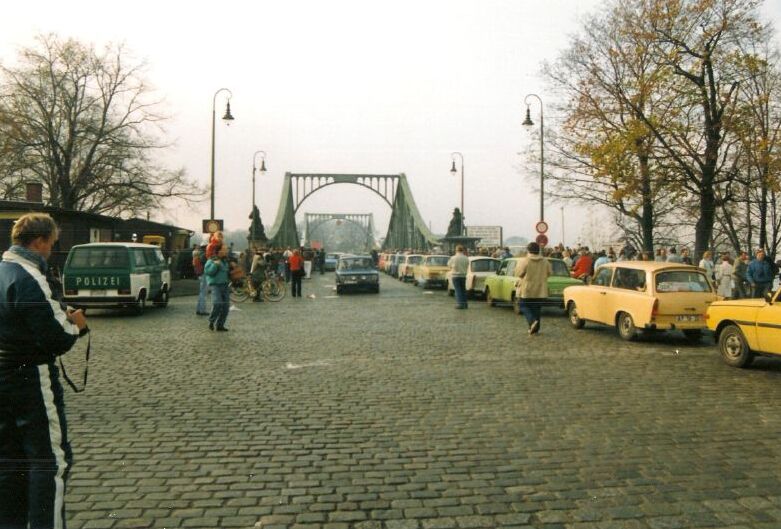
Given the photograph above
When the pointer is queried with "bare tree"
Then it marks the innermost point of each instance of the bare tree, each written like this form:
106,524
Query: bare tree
85,124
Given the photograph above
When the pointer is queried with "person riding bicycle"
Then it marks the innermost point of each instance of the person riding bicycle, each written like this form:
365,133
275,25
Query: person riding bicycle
257,274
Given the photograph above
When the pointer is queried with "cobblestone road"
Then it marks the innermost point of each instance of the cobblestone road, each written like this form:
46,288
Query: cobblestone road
396,411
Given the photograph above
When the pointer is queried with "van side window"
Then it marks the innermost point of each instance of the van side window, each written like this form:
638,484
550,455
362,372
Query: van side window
159,256
138,255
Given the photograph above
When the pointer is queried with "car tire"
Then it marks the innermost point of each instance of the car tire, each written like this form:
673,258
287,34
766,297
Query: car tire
574,319
489,298
626,327
734,347
693,336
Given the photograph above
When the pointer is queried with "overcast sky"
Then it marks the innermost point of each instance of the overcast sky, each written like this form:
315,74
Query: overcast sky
351,86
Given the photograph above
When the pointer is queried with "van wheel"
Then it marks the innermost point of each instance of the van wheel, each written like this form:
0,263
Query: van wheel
626,327
162,300
734,348
140,304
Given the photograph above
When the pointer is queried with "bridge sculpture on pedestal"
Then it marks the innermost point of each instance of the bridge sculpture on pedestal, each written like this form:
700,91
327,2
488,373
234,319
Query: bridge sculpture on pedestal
406,228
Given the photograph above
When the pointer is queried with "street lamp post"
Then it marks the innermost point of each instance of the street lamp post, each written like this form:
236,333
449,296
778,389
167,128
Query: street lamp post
228,117
529,123
262,171
454,171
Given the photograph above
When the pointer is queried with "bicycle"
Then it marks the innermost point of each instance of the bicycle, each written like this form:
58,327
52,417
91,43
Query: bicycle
272,287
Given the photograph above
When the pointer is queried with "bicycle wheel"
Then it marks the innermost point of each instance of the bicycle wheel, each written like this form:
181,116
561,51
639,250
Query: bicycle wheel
238,291
274,289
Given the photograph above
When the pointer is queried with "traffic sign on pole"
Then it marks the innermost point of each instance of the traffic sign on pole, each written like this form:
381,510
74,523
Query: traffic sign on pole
542,239
541,227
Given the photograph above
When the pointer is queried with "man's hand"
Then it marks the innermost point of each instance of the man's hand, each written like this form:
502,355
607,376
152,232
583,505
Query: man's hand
77,318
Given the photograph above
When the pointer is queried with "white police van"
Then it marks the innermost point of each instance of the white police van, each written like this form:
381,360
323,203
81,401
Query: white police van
106,275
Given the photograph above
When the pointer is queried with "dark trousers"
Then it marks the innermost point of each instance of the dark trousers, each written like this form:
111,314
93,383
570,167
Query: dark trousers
35,454
221,304
296,277
459,287
531,309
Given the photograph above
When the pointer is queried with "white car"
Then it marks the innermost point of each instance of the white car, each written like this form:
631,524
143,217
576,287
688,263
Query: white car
480,267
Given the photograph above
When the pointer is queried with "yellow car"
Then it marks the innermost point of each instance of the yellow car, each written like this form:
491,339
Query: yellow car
432,271
746,327
642,295
407,267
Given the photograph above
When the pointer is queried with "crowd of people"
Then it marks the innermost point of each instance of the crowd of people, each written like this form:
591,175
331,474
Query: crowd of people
216,265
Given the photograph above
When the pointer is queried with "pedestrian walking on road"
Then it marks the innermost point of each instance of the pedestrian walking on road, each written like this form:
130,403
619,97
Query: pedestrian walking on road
459,265
216,271
297,273
35,329
532,289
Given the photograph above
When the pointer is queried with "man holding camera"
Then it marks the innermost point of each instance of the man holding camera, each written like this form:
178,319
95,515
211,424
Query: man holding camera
34,329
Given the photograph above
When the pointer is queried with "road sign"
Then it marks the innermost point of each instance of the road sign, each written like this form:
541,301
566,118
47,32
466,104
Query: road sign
542,239
541,226
212,225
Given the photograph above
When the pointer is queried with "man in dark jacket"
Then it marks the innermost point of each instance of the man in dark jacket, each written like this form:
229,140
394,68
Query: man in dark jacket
34,329
760,275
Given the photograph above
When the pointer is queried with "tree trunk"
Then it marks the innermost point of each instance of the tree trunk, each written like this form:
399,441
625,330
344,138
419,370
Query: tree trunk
647,222
763,210
704,226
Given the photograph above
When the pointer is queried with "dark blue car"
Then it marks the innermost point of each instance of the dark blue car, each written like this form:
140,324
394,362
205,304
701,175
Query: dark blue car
357,272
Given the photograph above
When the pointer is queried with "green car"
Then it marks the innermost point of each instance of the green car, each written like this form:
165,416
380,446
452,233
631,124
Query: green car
500,287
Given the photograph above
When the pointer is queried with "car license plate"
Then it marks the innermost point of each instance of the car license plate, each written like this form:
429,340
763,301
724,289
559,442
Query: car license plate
688,317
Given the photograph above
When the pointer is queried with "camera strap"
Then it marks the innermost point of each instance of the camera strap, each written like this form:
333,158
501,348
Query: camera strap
86,368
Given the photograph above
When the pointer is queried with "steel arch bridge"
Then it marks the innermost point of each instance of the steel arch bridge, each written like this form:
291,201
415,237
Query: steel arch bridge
365,221
406,229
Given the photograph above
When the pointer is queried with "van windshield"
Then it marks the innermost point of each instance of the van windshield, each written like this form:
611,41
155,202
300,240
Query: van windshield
105,257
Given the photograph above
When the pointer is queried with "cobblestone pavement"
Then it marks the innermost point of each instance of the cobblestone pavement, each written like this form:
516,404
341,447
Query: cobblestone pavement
395,411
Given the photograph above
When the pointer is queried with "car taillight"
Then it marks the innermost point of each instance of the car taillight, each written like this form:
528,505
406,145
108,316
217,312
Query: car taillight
70,292
124,291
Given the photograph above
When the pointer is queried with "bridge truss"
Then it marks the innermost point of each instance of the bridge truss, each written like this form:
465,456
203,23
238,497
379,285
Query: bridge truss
406,229
365,221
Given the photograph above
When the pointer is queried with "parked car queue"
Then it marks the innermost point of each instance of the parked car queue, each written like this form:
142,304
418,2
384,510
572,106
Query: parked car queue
638,298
